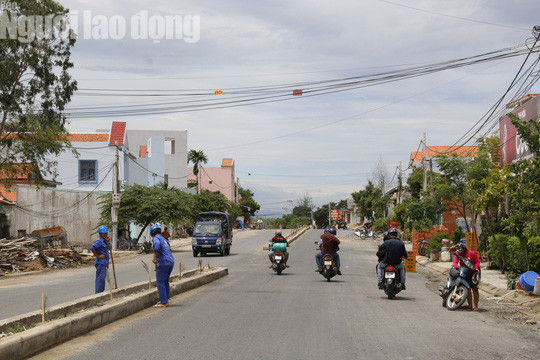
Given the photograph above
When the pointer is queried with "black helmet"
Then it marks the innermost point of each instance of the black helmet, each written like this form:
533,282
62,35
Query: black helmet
332,231
392,231
385,235
461,249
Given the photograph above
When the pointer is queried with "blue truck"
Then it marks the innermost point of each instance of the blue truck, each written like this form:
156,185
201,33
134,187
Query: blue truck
212,233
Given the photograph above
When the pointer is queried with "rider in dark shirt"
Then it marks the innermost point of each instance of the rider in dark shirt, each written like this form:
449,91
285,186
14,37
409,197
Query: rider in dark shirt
394,252
278,238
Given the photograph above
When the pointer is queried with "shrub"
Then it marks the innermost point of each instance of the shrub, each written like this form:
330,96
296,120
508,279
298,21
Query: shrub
436,241
380,224
498,249
458,235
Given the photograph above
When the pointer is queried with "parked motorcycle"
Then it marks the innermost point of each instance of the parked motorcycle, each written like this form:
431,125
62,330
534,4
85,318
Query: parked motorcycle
145,247
422,250
457,288
391,281
278,260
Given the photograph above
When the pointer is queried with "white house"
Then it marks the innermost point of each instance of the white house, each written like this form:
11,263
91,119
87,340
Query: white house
145,158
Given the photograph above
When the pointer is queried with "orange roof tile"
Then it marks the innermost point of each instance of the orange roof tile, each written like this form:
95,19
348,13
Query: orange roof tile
227,163
89,137
432,151
118,132
9,195
143,150
16,172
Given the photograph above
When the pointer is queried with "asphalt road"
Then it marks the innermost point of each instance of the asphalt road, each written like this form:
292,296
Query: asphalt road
254,314
22,294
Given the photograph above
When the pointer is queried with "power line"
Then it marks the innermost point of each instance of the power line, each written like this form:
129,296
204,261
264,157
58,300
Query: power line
451,16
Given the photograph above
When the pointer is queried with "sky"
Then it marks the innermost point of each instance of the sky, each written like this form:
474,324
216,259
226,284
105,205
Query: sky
324,146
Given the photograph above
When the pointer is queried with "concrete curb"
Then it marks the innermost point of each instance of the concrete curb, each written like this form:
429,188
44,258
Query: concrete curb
32,341
294,237
70,307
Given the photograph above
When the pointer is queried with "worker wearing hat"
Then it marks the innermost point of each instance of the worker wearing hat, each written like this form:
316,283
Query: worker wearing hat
164,260
100,248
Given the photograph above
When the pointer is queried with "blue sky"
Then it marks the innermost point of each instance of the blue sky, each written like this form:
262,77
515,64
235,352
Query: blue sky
325,146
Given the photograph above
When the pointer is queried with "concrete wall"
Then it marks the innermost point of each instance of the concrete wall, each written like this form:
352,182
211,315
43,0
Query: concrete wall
68,166
76,210
175,163
216,179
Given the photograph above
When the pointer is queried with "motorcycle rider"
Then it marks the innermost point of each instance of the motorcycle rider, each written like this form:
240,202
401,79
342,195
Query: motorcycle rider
461,250
278,238
394,252
328,246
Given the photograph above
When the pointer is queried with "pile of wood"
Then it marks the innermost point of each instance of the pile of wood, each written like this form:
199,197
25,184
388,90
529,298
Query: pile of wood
23,255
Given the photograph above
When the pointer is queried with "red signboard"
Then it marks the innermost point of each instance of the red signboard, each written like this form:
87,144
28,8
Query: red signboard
337,215
512,146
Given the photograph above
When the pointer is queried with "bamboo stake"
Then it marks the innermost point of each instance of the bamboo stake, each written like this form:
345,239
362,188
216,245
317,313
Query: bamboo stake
149,278
43,307
113,269
179,271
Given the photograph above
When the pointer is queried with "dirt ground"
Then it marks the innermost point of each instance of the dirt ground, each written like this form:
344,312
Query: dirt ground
525,315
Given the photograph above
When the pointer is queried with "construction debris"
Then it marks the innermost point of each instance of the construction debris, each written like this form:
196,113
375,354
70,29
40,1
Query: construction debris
22,255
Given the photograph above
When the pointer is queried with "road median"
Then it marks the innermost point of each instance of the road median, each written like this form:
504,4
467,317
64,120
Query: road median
81,316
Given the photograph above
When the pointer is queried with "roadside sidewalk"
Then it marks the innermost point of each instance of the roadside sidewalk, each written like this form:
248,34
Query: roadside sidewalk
493,283
493,287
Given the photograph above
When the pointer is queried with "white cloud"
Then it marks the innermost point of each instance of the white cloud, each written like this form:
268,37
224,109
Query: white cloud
248,43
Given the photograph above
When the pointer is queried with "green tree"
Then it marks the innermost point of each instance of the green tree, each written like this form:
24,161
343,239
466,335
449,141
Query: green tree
211,201
489,194
524,185
196,158
35,86
248,205
371,201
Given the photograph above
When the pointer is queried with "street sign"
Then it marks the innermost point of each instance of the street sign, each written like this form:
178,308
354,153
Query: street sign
471,245
410,262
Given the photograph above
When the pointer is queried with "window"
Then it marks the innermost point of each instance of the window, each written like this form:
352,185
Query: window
87,171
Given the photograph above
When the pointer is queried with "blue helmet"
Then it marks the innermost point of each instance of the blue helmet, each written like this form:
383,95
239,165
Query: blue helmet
392,231
103,230
155,227
332,231
326,230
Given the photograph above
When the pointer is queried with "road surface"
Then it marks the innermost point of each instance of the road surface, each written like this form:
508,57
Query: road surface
22,294
255,314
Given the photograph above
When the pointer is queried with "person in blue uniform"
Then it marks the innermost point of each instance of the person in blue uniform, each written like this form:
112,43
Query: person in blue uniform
165,261
100,248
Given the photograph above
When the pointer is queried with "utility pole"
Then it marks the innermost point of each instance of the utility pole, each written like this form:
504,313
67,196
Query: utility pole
424,166
431,175
329,215
237,186
400,182
115,199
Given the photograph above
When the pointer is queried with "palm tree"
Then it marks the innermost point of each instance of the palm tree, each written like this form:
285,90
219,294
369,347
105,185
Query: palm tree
196,158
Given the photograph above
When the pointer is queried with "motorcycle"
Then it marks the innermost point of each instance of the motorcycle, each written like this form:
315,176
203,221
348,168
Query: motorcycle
422,247
455,291
391,281
278,260
329,269
145,247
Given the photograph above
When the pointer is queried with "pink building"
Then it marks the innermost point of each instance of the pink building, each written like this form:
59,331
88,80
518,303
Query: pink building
217,178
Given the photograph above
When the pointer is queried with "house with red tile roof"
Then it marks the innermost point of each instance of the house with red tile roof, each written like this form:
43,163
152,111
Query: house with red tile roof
453,210
85,175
